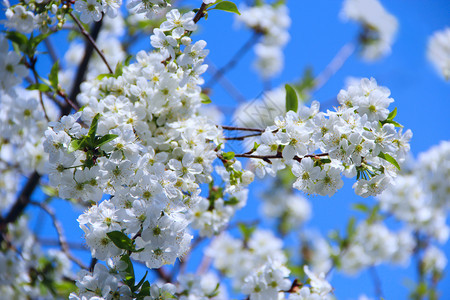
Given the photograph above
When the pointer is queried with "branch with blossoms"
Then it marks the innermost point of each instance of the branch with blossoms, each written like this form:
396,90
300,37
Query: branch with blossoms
136,149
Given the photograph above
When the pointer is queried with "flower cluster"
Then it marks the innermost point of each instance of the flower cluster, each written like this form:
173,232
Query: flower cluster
27,16
420,197
93,10
145,146
358,139
439,51
150,8
272,21
379,27
257,269
372,244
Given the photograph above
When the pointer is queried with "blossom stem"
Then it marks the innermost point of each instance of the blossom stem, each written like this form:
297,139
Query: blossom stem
92,41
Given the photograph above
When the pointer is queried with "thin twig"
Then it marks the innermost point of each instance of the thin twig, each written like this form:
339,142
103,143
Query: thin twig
51,50
234,60
60,232
92,41
241,128
376,282
335,64
278,156
225,83
241,138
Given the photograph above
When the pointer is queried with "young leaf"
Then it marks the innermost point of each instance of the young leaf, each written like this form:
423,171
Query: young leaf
53,76
392,114
105,139
389,158
360,207
129,271
291,98
119,70
93,128
141,282
205,98
228,155
40,87
121,240
227,6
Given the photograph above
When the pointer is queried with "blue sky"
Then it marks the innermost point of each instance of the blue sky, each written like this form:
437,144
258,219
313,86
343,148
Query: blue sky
317,34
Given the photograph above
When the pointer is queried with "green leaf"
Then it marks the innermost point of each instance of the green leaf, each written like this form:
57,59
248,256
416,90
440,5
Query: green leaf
16,37
128,59
291,98
53,76
351,228
119,70
232,201
228,155
246,231
145,290
390,159
93,127
141,282
40,87
121,240
392,122
107,75
129,271
227,6
360,207
34,42
105,139
205,98
392,114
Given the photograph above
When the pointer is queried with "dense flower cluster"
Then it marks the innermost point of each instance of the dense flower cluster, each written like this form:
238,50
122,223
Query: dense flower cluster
379,27
154,153
272,21
439,51
358,139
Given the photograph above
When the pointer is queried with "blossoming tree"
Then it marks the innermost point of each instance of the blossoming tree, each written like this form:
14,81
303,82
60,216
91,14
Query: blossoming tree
136,143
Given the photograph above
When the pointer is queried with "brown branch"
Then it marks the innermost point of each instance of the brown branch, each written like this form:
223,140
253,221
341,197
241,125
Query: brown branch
241,138
267,158
60,232
92,41
241,128
200,13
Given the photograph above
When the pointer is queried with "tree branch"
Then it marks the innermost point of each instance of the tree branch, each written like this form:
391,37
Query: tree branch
60,233
92,41
241,128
